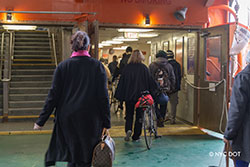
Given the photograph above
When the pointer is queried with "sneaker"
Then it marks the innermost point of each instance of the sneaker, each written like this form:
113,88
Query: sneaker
128,135
137,140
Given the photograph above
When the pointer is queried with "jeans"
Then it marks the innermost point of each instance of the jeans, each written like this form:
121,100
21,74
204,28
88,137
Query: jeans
240,163
130,109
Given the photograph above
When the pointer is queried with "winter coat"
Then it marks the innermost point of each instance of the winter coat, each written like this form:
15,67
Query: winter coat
163,62
177,71
112,66
124,61
80,98
238,124
134,80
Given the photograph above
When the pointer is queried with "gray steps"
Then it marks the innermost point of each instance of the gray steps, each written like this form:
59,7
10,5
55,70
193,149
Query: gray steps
33,66
27,90
28,97
32,78
32,52
30,84
26,104
32,72
27,111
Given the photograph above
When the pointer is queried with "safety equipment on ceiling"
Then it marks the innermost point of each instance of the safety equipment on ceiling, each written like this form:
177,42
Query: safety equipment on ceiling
181,14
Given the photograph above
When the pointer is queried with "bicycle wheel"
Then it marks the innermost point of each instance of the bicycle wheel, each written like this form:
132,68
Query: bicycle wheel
147,126
154,119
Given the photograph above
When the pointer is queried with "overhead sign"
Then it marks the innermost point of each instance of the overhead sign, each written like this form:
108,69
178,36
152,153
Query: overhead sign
241,38
131,35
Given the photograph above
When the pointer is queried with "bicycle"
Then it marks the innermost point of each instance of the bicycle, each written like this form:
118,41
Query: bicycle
149,118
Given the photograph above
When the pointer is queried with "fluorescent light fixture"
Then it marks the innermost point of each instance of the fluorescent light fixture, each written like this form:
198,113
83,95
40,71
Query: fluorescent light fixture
134,30
149,42
104,44
148,35
19,27
124,39
120,48
100,46
112,42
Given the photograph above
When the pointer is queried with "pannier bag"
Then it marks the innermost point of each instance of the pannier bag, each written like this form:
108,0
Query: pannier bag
104,153
145,100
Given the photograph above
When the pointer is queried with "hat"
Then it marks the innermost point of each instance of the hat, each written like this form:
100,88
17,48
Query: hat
170,54
248,57
161,53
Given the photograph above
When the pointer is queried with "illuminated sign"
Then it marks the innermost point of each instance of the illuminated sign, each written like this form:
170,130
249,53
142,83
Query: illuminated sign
131,35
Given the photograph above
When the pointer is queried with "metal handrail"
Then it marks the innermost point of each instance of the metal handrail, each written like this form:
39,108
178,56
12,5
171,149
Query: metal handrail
54,47
10,58
1,58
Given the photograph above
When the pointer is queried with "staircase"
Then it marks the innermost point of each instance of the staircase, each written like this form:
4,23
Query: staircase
32,73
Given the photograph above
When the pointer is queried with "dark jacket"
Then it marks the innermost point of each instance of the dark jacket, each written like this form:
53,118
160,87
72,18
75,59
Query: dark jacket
135,79
112,67
177,71
163,62
238,124
124,61
80,98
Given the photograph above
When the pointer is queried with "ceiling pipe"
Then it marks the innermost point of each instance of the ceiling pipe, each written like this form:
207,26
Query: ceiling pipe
48,12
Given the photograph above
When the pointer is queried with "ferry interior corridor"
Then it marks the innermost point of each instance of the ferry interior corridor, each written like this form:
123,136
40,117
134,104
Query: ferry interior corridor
190,142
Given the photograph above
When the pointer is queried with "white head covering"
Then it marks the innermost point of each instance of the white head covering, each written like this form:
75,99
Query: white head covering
248,57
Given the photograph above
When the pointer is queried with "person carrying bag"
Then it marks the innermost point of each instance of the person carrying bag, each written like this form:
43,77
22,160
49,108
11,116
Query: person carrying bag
104,152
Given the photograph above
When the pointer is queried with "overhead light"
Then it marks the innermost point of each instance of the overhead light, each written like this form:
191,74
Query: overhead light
147,20
120,48
112,42
124,39
104,44
149,42
148,35
19,27
100,46
134,30
9,17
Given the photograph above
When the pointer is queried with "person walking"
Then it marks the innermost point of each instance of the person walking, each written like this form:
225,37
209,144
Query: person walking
173,96
123,63
80,98
134,80
113,65
237,131
163,73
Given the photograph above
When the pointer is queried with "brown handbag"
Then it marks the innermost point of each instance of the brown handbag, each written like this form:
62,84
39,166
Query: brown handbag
104,153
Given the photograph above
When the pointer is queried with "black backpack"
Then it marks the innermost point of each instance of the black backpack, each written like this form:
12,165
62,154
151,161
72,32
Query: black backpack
162,77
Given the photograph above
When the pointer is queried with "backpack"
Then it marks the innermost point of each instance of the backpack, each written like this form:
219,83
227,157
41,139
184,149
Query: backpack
162,77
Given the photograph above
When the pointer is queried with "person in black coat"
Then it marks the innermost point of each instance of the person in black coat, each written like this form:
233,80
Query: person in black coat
80,98
134,80
238,123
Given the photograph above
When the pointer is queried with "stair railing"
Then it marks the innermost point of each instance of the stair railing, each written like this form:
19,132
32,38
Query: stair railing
54,47
1,58
7,77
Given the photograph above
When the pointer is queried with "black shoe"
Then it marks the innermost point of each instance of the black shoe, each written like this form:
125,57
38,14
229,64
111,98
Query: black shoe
136,139
160,123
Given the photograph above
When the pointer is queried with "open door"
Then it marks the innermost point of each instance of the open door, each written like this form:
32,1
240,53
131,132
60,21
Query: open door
213,72
93,32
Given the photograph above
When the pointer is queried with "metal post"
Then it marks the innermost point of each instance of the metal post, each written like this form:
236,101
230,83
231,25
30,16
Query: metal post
54,48
1,58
